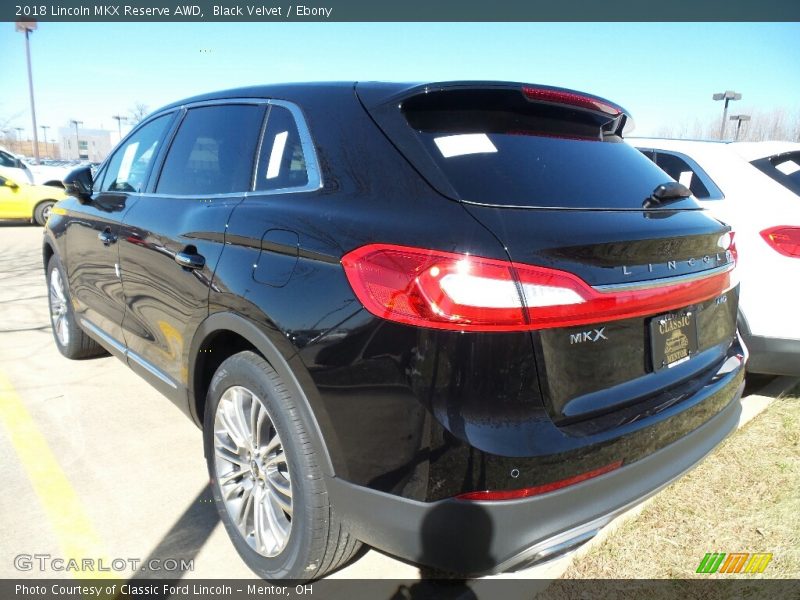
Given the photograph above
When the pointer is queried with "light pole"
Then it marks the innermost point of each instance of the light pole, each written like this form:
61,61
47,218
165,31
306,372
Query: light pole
119,119
28,27
727,96
77,140
44,131
19,139
739,119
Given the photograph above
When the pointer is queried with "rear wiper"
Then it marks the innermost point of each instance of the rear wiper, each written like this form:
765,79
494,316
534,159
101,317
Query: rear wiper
667,192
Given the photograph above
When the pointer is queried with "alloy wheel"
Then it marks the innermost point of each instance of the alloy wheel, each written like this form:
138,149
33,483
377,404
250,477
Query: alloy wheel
58,307
252,471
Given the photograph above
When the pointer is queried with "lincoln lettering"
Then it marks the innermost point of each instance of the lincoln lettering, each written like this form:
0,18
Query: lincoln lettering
718,259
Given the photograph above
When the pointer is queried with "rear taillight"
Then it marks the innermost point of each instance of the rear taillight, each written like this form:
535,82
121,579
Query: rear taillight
783,239
443,290
435,289
569,98
493,495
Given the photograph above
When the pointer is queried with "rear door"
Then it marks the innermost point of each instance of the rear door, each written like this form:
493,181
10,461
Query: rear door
548,173
172,239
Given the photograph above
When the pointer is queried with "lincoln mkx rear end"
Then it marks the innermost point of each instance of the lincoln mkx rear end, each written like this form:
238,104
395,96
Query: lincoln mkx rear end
544,329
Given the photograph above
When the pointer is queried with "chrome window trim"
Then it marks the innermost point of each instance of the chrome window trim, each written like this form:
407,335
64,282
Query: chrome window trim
309,151
664,281
257,158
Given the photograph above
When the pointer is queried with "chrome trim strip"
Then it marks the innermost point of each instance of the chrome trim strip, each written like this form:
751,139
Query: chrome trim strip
151,369
128,353
104,336
197,197
257,158
664,281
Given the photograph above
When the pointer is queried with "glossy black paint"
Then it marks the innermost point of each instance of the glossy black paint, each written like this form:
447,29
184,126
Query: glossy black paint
423,414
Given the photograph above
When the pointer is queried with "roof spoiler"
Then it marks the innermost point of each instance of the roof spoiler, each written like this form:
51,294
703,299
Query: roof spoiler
374,95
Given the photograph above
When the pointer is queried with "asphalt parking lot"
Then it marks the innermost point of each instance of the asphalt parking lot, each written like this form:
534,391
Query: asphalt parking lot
96,464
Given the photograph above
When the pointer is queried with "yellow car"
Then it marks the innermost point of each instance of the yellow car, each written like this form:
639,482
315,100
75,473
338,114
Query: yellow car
20,200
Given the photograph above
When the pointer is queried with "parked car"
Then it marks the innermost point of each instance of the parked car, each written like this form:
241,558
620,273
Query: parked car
49,172
460,322
13,167
753,186
21,200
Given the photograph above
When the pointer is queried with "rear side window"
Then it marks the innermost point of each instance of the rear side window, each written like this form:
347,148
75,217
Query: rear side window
783,168
6,160
213,151
282,163
496,147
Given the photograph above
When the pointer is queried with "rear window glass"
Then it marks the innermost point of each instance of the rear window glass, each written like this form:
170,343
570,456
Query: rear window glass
496,147
783,168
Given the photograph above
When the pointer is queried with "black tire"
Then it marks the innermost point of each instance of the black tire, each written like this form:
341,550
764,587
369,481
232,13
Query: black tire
42,211
77,345
317,542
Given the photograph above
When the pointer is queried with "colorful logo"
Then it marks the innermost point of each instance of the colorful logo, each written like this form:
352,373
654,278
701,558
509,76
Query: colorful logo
735,562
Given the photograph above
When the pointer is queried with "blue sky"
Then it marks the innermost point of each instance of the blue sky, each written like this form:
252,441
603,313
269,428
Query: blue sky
660,72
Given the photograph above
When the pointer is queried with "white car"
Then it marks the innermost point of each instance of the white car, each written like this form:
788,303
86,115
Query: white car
49,173
19,168
13,167
755,188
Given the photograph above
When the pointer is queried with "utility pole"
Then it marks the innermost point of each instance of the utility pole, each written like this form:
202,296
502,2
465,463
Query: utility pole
19,139
28,27
44,131
77,139
727,96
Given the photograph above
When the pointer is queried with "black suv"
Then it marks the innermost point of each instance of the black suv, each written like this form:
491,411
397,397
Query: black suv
460,322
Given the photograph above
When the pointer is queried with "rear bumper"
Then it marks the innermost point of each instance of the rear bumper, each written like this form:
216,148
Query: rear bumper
492,537
773,356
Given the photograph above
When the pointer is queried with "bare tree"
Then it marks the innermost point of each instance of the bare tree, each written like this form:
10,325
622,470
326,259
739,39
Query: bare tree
138,112
777,124
7,134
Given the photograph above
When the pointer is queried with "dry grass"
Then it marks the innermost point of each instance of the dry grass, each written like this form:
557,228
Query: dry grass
745,497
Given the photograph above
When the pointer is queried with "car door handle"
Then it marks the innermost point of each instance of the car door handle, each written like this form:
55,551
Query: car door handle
190,260
107,237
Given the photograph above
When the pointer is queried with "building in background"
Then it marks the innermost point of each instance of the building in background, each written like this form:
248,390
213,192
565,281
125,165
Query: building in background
89,144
